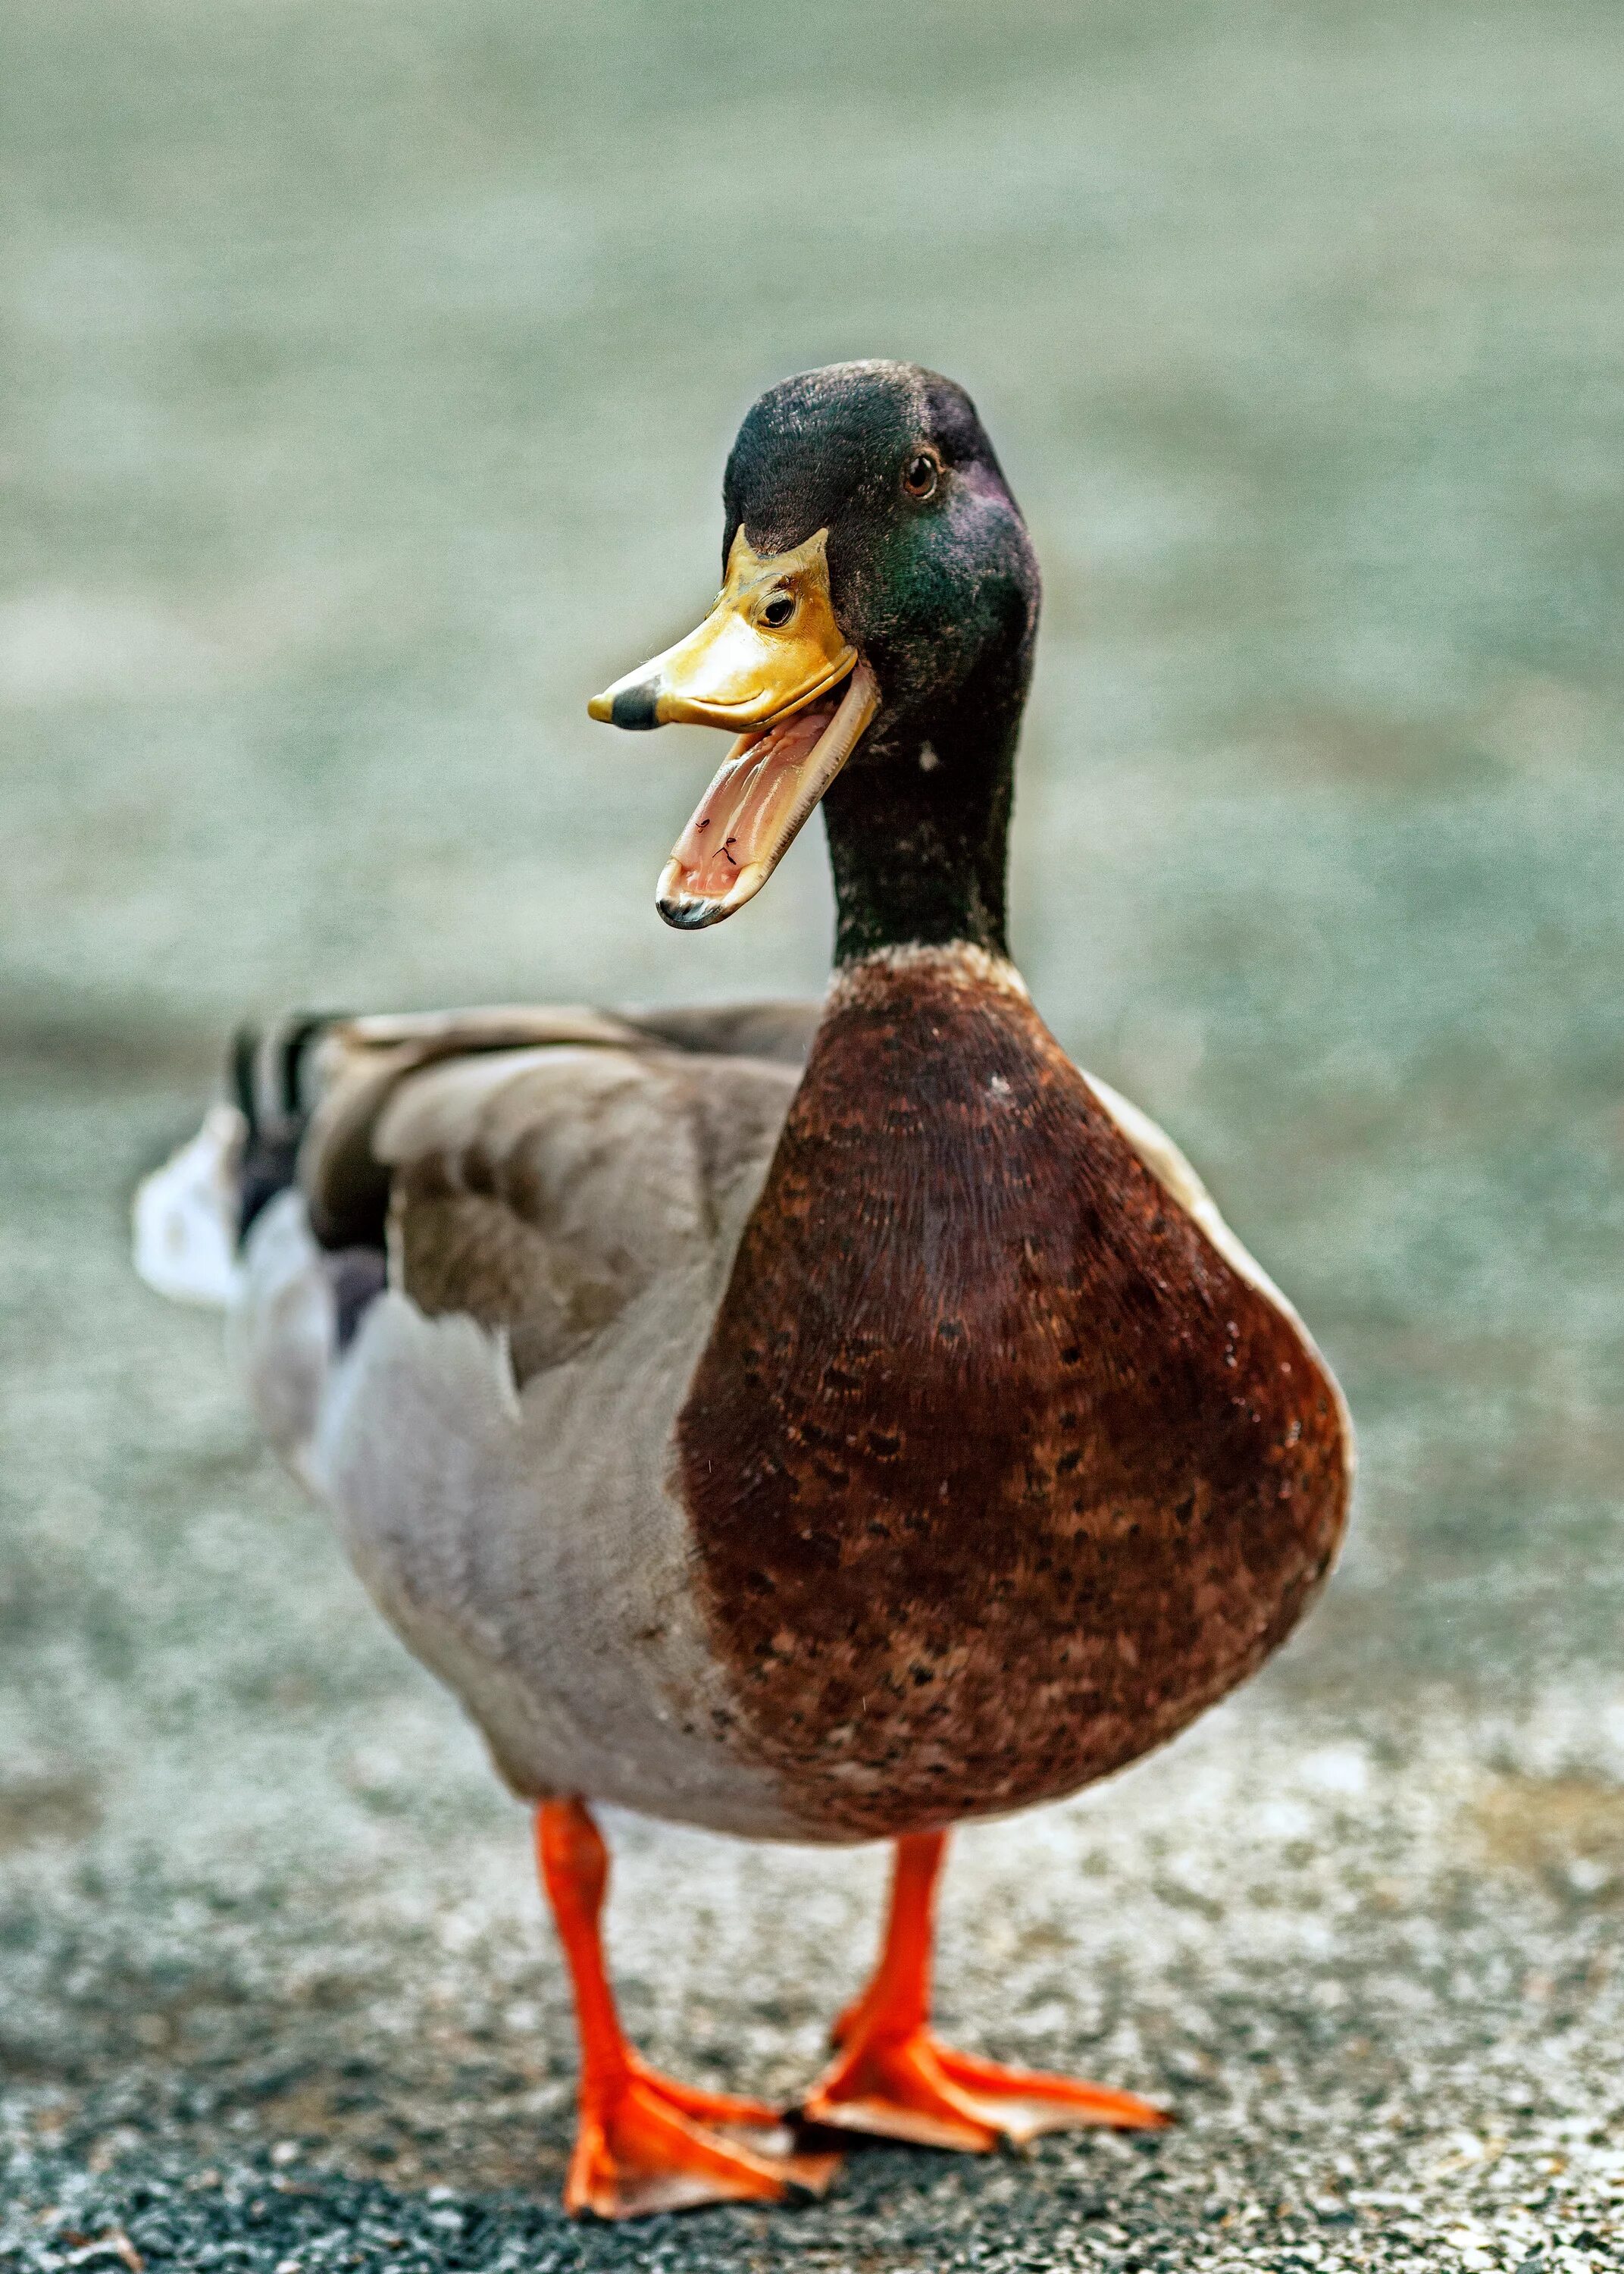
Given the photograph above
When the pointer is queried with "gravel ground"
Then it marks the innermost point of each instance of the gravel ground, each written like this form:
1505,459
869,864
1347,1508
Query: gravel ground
370,368
1377,1982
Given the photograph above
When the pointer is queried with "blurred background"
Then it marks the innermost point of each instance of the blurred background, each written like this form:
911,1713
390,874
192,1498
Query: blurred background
369,371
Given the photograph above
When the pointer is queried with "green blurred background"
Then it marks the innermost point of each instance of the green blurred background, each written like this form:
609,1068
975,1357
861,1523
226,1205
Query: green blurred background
369,371
372,372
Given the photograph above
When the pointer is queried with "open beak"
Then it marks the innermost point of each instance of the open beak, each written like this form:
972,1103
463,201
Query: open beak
769,662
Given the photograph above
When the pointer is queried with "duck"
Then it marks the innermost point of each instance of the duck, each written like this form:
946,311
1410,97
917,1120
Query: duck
824,1422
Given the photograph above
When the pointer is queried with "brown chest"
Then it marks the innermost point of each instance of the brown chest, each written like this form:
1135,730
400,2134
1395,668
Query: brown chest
998,1471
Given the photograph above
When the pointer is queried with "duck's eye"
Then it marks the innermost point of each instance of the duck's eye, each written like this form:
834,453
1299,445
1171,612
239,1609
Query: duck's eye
924,470
779,610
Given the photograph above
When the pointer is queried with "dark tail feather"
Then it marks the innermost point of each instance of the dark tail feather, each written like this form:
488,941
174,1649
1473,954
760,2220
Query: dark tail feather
267,1070
269,1076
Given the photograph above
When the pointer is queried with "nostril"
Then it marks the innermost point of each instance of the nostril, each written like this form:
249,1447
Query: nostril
634,706
778,611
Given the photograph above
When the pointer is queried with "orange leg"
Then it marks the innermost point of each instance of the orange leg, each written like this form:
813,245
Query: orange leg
891,2076
643,2143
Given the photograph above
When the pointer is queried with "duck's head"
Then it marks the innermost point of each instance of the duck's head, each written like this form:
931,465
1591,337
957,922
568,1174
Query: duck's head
871,646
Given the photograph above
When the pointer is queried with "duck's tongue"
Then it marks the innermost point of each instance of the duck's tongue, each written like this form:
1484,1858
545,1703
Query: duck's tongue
748,819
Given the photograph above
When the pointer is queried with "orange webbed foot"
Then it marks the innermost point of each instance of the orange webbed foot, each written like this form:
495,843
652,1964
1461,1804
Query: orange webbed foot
891,2076
908,2086
647,2144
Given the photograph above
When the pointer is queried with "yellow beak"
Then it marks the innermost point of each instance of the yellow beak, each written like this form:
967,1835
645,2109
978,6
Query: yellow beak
771,663
770,646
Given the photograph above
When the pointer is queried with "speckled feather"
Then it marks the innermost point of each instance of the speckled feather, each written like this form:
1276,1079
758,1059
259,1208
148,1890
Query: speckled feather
998,1471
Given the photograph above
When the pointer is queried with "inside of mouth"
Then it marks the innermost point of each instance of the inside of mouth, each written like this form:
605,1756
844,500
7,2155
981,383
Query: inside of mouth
740,820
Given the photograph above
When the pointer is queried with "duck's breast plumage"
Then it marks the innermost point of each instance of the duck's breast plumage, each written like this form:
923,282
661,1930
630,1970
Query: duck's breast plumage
1000,1465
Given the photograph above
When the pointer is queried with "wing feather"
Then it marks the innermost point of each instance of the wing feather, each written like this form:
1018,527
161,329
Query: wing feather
538,1185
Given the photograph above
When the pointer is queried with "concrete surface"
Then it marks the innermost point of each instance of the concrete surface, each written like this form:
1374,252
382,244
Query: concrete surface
370,370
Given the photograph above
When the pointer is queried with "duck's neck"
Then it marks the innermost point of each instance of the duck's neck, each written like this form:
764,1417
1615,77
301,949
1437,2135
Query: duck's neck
917,836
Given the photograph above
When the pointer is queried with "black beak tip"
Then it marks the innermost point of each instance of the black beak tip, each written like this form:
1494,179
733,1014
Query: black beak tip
689,916
634,706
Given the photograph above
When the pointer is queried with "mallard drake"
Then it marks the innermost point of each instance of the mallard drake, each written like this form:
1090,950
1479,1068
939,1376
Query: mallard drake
816,1423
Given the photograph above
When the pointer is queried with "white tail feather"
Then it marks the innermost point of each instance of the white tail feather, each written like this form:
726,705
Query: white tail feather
185,1216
